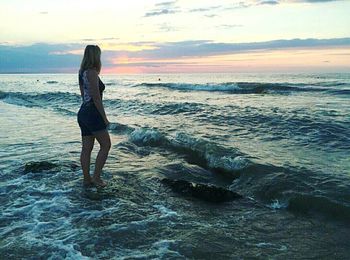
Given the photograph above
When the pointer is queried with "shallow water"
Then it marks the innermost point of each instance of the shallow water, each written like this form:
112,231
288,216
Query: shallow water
280,140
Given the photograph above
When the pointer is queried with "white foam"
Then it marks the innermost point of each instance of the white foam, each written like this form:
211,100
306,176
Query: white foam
34,204
145,136
166,212
162,248
270,245
276,204
213,154
233,163
230,86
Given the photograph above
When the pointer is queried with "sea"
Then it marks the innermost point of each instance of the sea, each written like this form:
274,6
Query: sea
181,144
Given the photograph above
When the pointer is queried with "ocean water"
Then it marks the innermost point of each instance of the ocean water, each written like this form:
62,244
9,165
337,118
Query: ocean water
282,141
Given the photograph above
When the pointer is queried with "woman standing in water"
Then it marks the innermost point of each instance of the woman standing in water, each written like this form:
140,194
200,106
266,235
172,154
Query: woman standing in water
92,118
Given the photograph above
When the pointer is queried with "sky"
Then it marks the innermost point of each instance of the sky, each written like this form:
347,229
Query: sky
175,36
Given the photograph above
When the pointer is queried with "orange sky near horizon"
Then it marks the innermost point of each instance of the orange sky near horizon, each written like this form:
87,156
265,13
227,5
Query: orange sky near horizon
285,60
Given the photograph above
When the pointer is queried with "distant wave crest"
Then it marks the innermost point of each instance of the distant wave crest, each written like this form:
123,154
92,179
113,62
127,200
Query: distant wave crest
250,87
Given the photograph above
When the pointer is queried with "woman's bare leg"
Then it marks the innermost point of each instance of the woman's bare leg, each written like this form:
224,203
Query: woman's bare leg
88,144
105,144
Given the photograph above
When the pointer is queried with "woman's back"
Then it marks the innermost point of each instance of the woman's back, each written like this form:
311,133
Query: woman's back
83,81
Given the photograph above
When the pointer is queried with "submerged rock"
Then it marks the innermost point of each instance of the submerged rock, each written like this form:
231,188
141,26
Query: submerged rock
39,166
74,166
201,191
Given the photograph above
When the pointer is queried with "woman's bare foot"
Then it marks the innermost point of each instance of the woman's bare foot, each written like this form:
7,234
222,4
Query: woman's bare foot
87,182
98,182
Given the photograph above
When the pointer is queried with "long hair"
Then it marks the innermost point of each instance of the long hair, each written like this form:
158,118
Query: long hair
91,59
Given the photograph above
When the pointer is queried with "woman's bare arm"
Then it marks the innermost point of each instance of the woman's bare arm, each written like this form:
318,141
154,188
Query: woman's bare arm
95,93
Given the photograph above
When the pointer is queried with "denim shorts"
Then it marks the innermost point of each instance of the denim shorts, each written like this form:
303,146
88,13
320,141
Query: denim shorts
90,120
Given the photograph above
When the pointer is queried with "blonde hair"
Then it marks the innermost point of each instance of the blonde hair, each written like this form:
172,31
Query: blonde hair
91,59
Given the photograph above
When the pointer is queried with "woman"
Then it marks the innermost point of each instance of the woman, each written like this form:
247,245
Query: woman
92,118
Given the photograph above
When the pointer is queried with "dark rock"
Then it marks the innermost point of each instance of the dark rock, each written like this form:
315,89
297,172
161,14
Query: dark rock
39,166
74,166
201,191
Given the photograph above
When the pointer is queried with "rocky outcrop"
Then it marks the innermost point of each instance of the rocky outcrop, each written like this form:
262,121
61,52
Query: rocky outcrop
39,166
204,192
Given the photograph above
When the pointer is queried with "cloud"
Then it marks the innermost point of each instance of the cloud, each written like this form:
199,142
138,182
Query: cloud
42,57
38,57
302,1
110,39
239,5
253,3
229,26
211,15
166,4
169,7
210,48
316,1
204,9
160,12
269,2
99,39
165,27
163,8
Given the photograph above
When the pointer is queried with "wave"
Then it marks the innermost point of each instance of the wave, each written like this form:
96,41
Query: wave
343,92
49,99
62,102
305,203
148,136
198,151
271,124
296,189
249,87
141,107
67,103
120,128
51,82
176,108
300,125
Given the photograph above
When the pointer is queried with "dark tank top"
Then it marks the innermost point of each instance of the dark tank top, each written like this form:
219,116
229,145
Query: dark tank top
83,80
